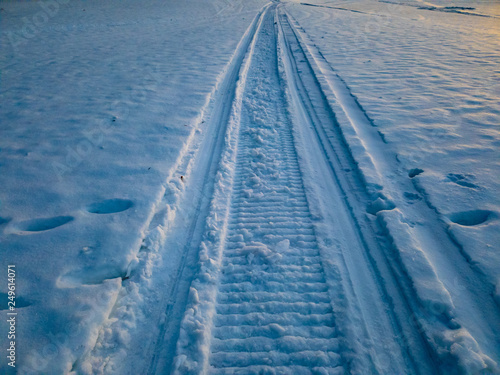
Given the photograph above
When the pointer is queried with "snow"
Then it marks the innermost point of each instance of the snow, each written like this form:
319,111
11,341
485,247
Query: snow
338,206
375,71
429,85
96,106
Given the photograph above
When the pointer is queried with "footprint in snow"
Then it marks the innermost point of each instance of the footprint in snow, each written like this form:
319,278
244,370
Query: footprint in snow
411,197
462,180
110,206
43,224
415,172
3,221
258,253
471,218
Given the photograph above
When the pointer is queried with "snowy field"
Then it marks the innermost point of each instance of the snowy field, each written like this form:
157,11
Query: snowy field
232,186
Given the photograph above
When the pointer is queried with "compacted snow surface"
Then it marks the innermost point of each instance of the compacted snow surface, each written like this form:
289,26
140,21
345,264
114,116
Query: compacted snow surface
249,187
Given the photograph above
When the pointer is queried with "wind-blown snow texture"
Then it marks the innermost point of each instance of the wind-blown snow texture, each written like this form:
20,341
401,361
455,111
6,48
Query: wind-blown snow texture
213,186
429,83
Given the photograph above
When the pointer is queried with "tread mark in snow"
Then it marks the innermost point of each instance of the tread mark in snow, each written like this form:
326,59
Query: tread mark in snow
272,309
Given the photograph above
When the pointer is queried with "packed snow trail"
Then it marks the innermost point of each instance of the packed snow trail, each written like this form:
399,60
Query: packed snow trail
272,282
292,275
272,305
262,299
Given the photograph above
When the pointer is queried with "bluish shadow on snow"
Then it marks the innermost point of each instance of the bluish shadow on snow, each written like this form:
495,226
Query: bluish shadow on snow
20,302
89,276
473,217
42,224
110,206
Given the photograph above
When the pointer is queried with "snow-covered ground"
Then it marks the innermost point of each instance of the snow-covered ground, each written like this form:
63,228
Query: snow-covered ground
429,82
97,101
223,186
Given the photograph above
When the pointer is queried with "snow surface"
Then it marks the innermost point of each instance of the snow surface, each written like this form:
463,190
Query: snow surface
429,83
388,111
96,104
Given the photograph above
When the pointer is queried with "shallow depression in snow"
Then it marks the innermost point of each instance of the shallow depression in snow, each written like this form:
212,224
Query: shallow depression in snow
43,224
110,206
471,218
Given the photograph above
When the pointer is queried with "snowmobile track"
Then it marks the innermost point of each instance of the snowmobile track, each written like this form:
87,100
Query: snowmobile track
308,347
263,299
261,320
200,187
289,279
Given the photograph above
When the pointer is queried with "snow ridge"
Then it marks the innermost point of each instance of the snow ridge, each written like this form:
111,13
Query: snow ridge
438,319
